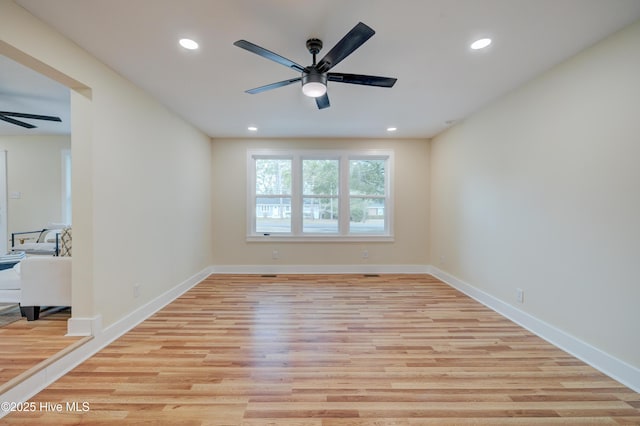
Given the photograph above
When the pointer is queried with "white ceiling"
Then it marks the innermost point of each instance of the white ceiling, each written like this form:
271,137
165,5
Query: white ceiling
423,43
24,90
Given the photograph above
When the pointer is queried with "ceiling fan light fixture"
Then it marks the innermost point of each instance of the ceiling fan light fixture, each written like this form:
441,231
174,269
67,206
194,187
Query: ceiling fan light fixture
314,90
314,84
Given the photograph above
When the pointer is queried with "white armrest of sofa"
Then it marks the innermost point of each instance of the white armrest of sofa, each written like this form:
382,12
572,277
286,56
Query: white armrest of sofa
10,285
45,281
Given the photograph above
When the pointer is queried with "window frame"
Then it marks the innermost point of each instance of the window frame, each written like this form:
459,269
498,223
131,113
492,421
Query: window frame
297,156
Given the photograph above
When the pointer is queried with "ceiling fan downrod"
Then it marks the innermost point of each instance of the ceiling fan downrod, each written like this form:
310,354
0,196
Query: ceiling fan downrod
314,46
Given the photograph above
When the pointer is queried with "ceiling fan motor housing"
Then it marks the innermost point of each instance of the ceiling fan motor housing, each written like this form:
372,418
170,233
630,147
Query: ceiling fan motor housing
314,46
311,75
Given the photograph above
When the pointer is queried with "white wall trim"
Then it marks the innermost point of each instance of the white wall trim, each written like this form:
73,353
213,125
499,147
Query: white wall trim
320,269
102,337
89,326
613,367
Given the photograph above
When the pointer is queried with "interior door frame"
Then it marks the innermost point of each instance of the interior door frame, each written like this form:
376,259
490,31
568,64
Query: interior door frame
4,208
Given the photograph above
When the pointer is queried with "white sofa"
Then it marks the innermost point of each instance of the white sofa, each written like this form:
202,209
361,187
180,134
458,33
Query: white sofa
37,281
10,284
44,281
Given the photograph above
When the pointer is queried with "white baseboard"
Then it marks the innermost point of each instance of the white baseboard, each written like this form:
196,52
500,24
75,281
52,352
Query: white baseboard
102,337
320,269
617,369
89,326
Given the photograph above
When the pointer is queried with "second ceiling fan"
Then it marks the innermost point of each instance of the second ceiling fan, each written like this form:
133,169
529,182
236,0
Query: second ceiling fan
314,77
8,117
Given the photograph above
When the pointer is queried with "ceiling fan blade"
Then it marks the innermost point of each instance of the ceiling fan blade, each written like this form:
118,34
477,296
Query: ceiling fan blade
254,48
350,42
16,122
32,116
367,80
323,101
273,86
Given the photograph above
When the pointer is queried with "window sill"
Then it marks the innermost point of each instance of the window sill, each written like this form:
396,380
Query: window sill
320,239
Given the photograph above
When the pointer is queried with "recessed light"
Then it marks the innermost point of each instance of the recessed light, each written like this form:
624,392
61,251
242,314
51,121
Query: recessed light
481,43
189,44
391,129
252,128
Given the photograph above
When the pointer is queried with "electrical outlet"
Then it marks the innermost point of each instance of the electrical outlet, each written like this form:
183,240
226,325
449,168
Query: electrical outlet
136,290
275,255
520,295
442,259
365,254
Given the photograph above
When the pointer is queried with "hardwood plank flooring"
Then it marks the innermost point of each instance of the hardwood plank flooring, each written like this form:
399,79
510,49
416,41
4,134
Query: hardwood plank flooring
24,344
331,350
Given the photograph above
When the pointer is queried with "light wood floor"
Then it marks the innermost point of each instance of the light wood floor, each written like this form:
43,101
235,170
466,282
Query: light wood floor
332,350
25,344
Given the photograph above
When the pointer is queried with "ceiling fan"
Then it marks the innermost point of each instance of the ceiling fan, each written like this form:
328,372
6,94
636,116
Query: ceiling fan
6,116
314,77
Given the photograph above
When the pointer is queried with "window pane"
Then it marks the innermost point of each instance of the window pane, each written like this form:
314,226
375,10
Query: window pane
273,176
273,215
320,215
366,177
320,177
367,216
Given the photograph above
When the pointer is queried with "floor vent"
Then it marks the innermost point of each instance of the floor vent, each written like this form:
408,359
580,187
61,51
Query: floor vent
371,275
268,275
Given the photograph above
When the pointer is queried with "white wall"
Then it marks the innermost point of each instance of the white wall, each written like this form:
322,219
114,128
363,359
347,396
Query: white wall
34,169
141,177
410,210
540,191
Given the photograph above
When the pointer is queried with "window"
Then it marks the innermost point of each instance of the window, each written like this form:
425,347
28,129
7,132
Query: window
366,196
320,202
66,186
273,195
323,195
